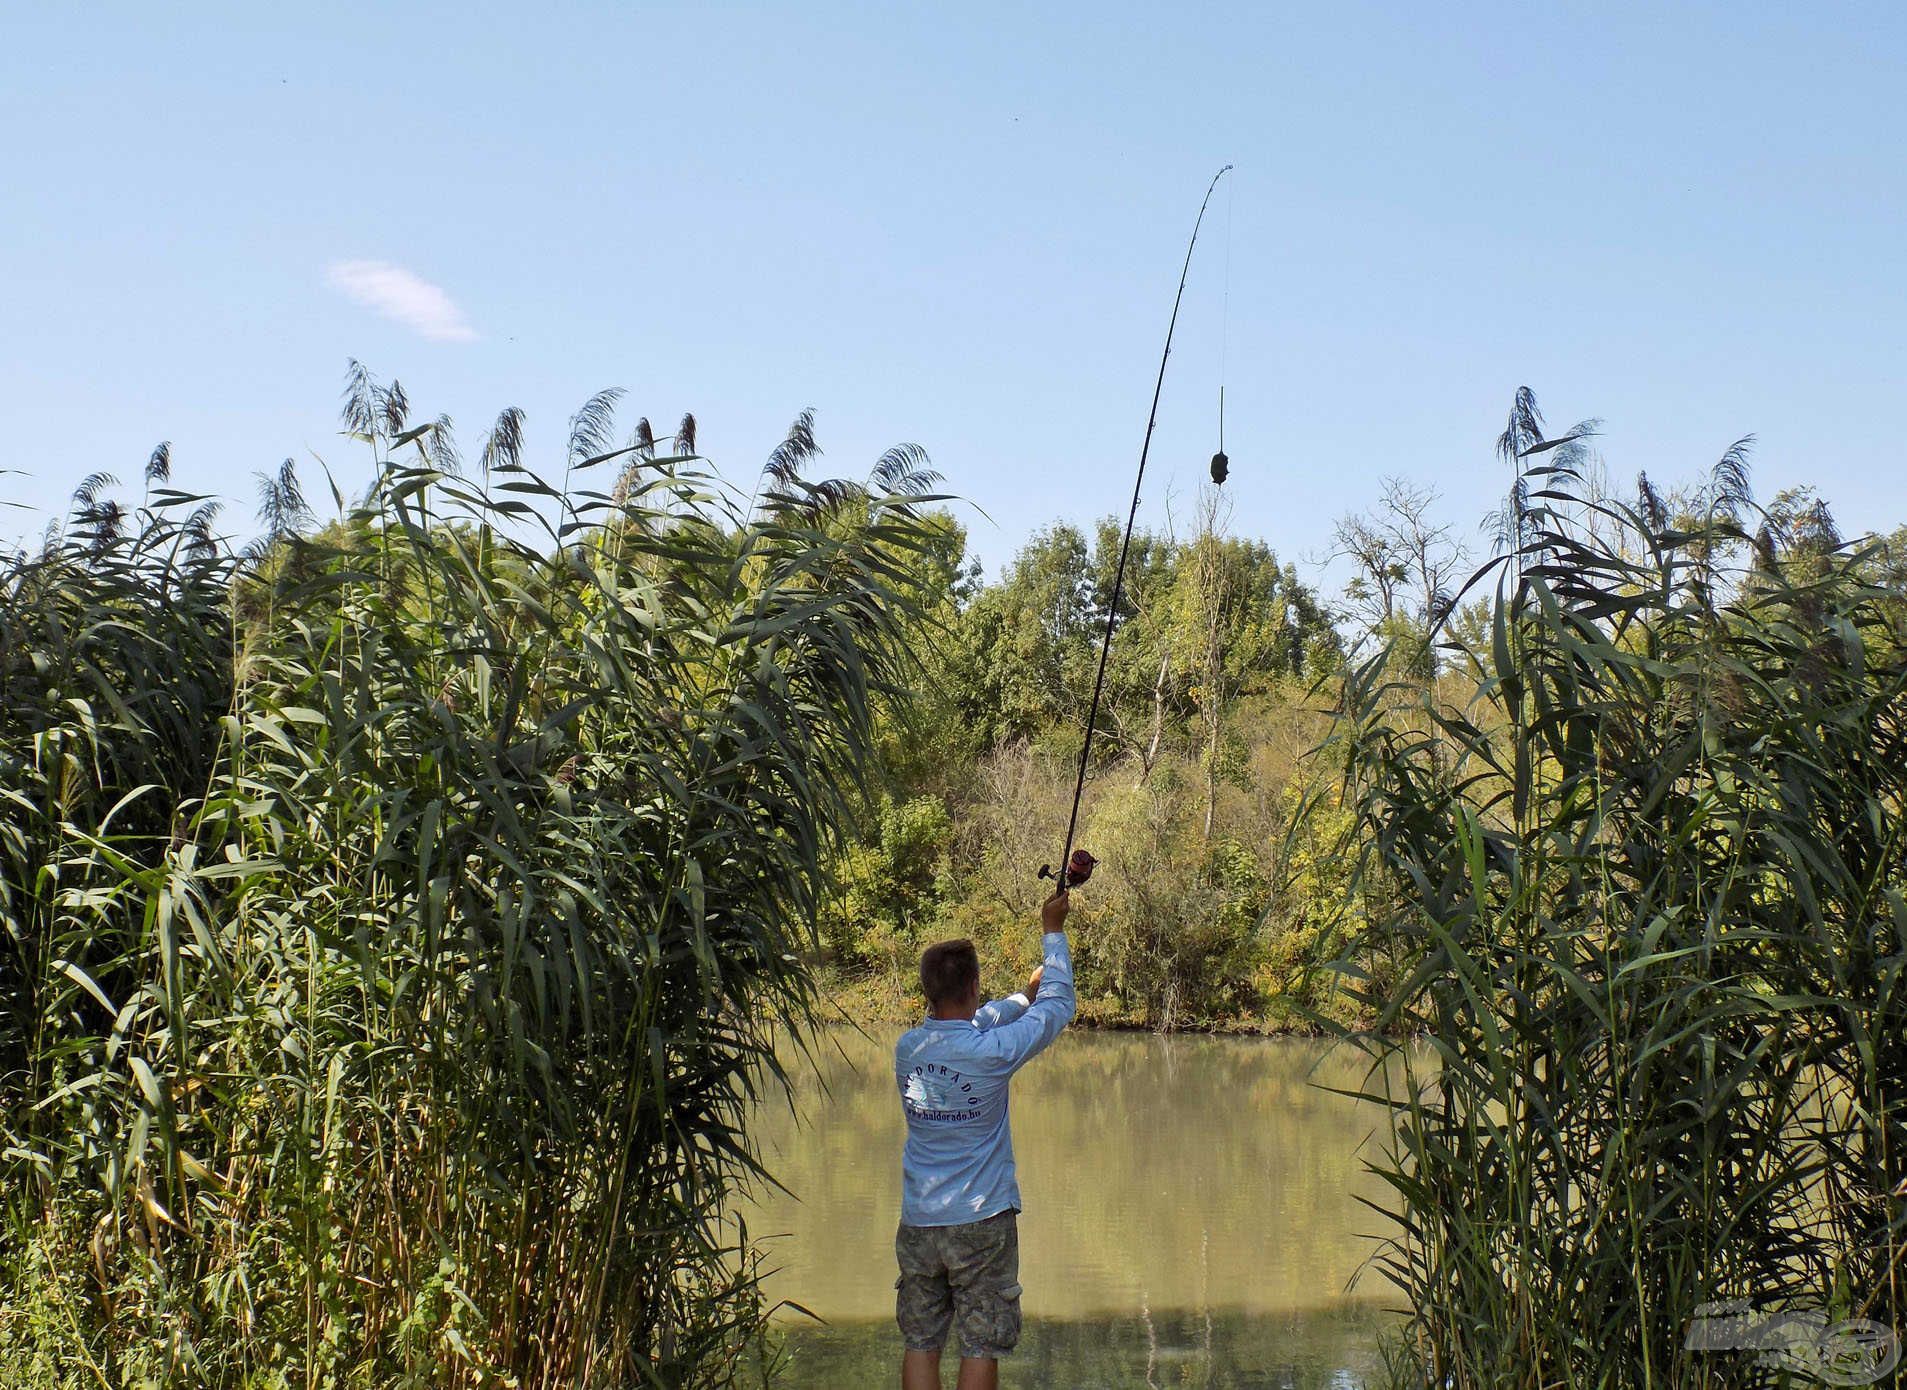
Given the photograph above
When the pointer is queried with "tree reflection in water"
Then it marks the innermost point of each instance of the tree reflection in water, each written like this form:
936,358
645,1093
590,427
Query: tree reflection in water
1192,1214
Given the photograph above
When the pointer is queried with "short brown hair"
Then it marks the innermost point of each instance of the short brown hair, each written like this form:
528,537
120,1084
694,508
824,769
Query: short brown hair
949,971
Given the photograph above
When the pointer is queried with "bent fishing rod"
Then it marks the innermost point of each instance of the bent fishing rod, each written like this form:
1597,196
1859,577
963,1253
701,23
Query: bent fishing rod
1077,865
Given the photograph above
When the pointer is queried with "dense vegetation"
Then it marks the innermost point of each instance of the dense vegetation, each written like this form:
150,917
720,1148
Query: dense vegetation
400,912
1208,907
395,916
1203,912
1642,890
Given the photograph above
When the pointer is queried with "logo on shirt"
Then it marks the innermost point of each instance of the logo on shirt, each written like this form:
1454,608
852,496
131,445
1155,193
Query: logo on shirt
935,1092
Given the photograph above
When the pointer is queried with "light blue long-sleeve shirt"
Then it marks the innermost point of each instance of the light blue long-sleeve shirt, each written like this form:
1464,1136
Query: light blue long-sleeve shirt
952,1074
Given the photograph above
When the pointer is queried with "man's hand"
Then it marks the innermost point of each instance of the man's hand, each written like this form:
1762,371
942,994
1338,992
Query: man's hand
1033,982
1053,912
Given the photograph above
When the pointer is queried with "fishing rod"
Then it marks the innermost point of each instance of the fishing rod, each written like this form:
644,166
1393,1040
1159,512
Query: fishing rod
1078,864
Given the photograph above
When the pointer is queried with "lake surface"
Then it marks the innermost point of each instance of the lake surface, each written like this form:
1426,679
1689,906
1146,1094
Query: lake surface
1191,1215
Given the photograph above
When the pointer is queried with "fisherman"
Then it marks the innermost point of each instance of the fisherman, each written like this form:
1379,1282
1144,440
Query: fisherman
958,1242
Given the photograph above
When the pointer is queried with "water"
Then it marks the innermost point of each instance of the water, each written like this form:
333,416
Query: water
1191,1215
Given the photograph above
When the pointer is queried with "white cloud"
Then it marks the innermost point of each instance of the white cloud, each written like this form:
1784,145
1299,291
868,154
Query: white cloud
398,294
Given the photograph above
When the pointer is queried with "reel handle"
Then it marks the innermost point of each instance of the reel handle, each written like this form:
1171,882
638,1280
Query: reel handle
1079,868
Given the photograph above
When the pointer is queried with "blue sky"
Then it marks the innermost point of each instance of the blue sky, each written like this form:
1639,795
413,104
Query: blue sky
962,226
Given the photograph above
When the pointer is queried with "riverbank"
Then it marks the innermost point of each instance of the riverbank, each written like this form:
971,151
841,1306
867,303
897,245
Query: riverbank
881,997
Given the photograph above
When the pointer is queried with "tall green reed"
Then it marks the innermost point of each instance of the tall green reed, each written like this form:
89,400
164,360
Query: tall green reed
400,915
1642,971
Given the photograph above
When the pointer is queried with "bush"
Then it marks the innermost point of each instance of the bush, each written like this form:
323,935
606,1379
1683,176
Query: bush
882,894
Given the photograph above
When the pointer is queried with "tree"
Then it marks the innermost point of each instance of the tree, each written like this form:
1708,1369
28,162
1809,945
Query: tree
1406,565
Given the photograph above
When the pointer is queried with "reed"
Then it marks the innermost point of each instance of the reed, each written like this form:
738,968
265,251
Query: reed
1645,906
398,915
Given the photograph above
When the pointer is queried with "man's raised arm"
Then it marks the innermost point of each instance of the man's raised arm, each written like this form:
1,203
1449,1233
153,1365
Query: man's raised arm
1013,1044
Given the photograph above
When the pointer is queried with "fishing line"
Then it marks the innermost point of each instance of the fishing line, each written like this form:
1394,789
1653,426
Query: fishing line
1075,869
1225,317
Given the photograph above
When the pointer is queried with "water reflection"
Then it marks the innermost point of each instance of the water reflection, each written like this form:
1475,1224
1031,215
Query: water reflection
1191,1213
1227,1351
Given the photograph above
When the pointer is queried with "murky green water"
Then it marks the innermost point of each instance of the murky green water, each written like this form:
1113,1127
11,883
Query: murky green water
1191,1215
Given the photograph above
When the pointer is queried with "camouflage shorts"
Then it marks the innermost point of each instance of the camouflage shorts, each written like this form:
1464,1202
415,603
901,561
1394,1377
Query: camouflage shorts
967,1276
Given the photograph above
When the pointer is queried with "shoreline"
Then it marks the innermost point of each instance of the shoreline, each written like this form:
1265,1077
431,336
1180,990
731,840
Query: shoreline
873,998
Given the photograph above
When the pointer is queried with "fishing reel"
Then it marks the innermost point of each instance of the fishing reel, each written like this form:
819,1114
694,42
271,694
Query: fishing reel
1079,868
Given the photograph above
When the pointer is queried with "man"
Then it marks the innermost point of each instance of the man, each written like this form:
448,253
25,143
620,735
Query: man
958,1243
